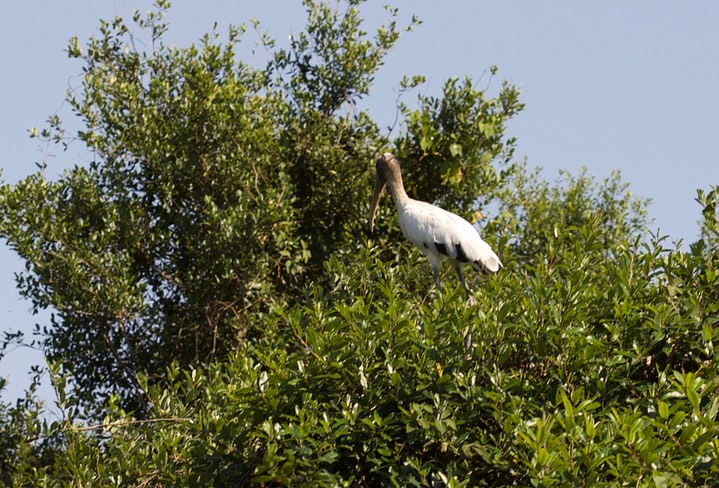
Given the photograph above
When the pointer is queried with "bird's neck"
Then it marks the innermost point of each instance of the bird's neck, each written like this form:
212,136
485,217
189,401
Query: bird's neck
396,189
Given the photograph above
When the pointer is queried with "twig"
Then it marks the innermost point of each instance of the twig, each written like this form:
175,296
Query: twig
124,423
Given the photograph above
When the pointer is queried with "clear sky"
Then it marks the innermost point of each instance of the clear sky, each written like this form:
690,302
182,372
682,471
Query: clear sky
632,86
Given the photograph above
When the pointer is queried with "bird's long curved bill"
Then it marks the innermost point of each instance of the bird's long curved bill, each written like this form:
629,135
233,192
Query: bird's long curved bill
378,189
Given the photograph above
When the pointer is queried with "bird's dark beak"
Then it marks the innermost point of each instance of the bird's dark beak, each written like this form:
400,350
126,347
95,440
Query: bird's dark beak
378,189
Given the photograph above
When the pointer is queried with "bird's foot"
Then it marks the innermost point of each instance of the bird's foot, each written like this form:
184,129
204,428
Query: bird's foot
472,301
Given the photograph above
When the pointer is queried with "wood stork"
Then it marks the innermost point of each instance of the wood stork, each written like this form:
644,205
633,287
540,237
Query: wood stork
439,234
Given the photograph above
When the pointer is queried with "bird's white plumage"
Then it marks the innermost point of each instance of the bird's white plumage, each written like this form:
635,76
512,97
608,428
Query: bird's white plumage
446,235
438,233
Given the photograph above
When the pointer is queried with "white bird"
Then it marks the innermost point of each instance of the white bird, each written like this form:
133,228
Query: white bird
439,234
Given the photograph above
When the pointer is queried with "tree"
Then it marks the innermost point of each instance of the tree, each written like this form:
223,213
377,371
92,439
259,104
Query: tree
532,211
709,222
27,443
222,317
218,188
583,370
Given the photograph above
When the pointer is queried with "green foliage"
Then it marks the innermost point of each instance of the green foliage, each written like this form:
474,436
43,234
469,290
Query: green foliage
533,211
709,221
452,138
221,318
27,442
216,189
589,371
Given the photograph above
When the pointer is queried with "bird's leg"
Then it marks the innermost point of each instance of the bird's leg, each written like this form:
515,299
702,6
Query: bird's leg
435,272
458,269
435,262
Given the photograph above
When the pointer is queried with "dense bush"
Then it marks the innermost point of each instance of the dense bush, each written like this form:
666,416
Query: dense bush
588,369
207,333
217,188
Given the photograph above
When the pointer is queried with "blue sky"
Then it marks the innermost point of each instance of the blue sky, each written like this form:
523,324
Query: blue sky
632,86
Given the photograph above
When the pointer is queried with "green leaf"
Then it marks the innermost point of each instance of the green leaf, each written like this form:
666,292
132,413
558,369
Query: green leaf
455,150
701,440
425,143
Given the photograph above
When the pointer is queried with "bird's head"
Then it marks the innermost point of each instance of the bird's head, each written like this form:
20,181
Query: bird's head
387,166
